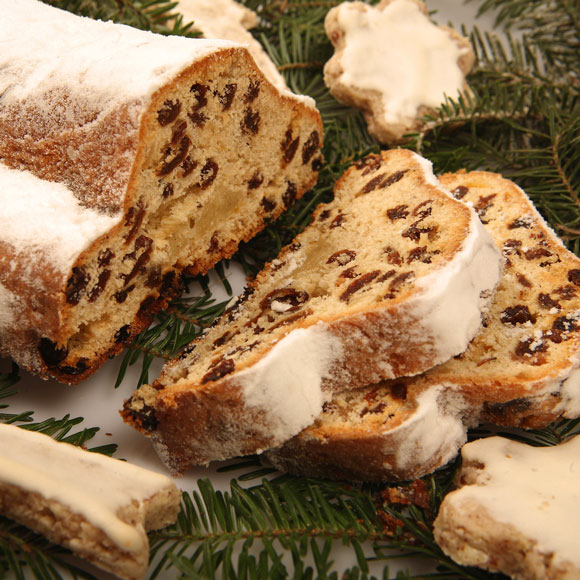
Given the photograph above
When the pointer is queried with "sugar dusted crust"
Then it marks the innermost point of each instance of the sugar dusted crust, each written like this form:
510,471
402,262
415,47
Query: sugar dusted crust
515,510
97,506
160,139
521,369
394,64
379,274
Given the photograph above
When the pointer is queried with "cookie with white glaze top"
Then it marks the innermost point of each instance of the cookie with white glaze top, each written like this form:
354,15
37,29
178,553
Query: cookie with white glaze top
97,506
392,62
522,369
128,158
516,510
389,279
230,20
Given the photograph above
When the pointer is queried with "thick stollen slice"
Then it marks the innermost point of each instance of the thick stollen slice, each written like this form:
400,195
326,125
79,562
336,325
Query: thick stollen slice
389,279
517,510
522,369
162,153
97,506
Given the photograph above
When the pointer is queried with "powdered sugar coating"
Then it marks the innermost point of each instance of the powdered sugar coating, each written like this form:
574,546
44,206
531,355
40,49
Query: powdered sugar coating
41,216
287,382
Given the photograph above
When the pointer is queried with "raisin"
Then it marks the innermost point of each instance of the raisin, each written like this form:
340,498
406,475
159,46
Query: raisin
213,243
142,242
97,290
337,221
154,277
546,301
51,353
289,297
423,210
256,180
566,292
310,147
358,283
145,417
208,173
268,204
76,285
393,257
198,119
369,164
167,190
168,112
483,204
565,324
169,166
223,368
295,246
349,273
531,346
253,91
397,176
134,219
226,98
324,215
178,133
317,164
523,222
399,391
460,191
421,254
511,246
342,257
188,166
123,334
289,196
398,212
397,282
199,91
105,257
373,184
79,368
537,252
289,146
414,233
386,276
574,277
519,314
523,280
222,339
250,122
121,295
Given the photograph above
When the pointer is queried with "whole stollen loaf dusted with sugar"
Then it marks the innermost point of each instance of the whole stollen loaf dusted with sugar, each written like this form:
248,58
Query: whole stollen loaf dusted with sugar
522,369
389,279
127,158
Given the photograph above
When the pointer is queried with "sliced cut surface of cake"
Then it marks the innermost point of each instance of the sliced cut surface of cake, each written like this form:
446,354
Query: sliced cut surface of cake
389,279
161,153
97,506
522,369
516,510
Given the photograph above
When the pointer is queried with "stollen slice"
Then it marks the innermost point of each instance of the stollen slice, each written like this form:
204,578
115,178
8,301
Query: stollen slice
522,369
389,279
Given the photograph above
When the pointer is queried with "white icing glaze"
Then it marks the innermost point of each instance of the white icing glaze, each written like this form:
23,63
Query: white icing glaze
535,489
400,53
428,433
286,383
42,215
90,484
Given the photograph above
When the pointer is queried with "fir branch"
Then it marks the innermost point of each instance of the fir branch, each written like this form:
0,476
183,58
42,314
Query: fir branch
154,15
